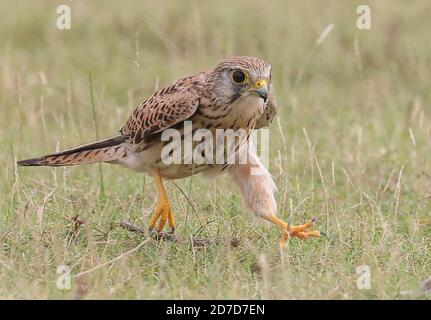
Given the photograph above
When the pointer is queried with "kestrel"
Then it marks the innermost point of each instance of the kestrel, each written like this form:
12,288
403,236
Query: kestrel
236,94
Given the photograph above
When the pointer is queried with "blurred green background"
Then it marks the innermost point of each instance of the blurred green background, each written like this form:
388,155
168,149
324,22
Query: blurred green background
351,147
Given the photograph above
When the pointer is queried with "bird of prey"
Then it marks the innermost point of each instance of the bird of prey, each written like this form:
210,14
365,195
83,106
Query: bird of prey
236,94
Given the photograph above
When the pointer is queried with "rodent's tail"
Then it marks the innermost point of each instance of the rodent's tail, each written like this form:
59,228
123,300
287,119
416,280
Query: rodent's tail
102,151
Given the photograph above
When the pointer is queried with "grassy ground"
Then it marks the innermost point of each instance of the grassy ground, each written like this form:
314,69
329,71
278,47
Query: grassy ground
351,148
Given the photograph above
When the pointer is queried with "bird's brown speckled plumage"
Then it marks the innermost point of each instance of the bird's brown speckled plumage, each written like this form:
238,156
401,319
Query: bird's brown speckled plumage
236,94
198,98
195,98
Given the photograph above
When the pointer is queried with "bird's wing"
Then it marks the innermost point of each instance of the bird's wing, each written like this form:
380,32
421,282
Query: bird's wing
159,112
270,111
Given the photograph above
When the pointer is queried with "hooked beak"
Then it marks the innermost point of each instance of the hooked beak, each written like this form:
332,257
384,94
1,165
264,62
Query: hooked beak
261,89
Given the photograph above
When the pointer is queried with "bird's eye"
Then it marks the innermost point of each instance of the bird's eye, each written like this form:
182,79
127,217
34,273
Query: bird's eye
239,77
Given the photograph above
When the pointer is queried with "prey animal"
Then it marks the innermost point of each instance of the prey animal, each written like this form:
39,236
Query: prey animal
237,94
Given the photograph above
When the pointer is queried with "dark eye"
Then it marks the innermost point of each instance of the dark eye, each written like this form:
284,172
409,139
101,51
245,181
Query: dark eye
239,77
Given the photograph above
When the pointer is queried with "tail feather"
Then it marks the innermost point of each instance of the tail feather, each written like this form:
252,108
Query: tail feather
102,151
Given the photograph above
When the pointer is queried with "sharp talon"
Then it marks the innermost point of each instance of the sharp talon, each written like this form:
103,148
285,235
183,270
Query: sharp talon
288,231
172,231
300,231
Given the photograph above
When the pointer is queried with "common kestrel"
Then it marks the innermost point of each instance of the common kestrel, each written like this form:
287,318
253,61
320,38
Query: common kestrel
235,95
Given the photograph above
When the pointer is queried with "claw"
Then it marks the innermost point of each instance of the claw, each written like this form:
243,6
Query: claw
288,231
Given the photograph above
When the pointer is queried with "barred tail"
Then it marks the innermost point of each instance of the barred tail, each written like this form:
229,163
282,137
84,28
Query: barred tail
102,151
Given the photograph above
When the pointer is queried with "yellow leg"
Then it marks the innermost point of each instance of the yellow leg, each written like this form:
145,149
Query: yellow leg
163,209
293,231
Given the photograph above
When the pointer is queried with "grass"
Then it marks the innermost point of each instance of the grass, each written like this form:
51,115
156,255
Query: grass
351,148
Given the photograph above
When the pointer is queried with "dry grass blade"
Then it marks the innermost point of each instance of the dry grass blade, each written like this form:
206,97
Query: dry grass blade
112,260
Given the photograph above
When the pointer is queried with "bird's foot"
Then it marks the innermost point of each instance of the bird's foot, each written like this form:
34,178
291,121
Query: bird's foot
163,213
288,231
302,231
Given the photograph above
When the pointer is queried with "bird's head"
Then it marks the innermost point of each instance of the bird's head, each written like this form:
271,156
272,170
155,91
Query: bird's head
242,77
